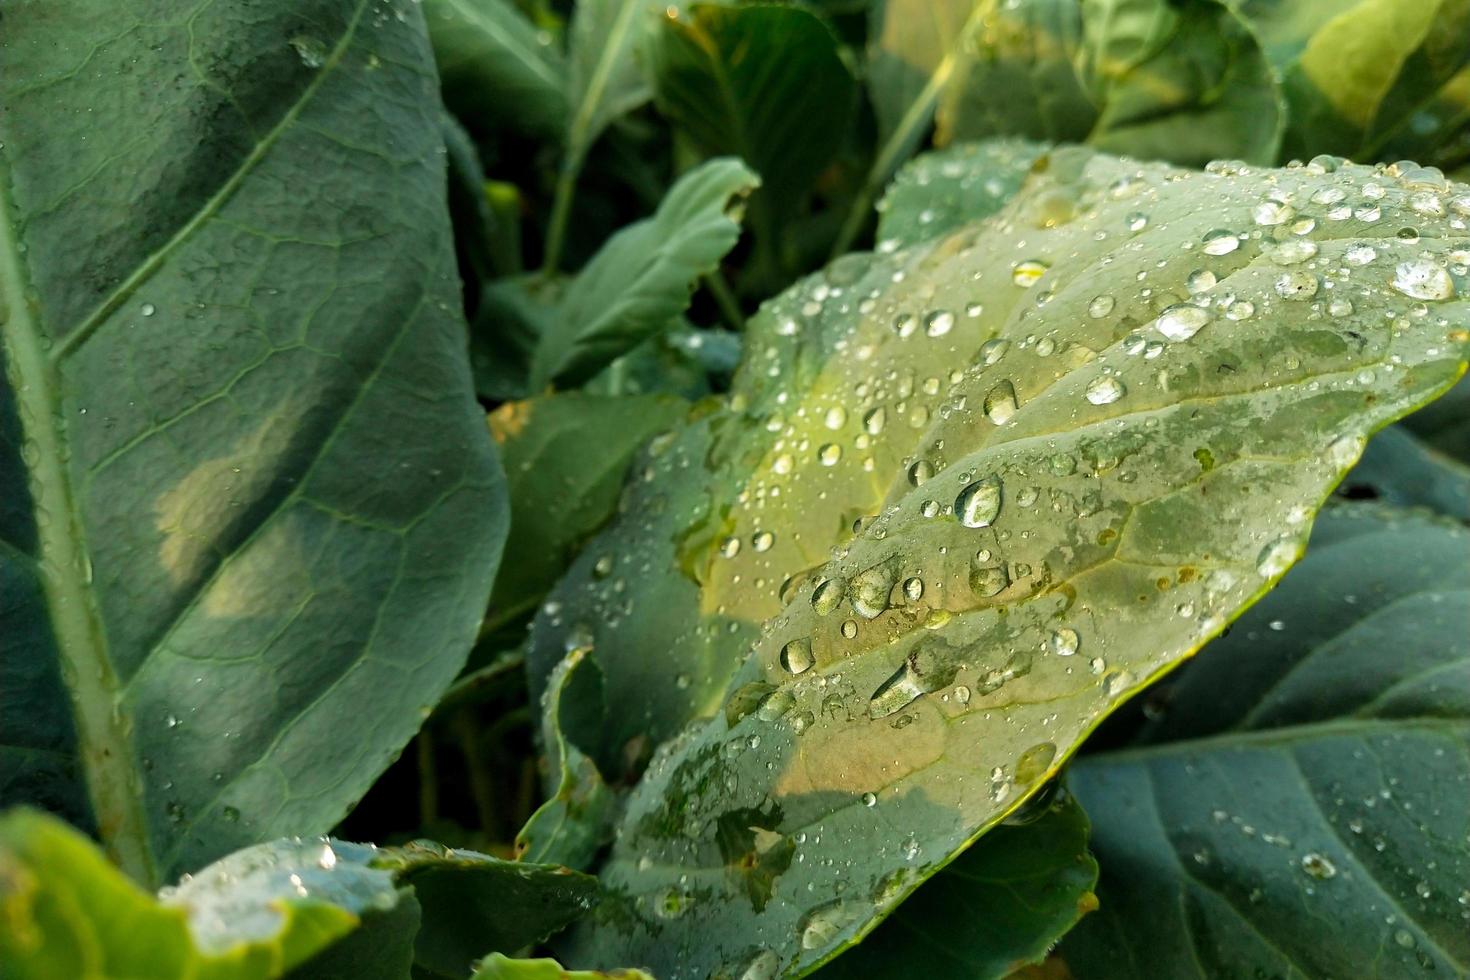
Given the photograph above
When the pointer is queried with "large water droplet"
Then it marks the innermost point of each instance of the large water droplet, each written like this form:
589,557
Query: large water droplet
1101,306
796,656
1105,390
827,595
1276,557
939,323
1297,285
1220,242
978,505
1064,642
930,665
871,588
1000,403
1182,322
1423,279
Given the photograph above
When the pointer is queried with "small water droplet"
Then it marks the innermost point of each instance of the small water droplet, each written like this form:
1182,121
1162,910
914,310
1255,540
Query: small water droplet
939,323
1297,285
827,595
1101,306
1276,557
148,309
1220,242
1025,274
1000,403
829,454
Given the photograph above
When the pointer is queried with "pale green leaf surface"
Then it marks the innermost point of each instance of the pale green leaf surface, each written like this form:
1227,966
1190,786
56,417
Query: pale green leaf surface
1000,905
574,824
498,967
1129,481
251,510
642,278
565,458
1314,822
497,69
1149,78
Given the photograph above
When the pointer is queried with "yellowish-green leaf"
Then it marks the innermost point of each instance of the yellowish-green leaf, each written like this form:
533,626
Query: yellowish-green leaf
498,967
966,498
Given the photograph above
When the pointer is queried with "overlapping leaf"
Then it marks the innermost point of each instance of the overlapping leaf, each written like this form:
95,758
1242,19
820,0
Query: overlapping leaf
967,498
1312,822
497,68
1002,904
319,909
1369,79
251,510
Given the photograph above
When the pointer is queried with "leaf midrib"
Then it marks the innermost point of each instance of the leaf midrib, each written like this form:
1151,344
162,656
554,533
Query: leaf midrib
103,726
102,730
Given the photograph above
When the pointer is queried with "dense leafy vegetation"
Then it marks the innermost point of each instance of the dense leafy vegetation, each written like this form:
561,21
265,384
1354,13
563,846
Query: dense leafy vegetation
734,490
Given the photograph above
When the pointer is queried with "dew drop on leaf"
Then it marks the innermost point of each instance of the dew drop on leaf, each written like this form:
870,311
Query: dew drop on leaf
938,323
1423,279
978,505
796,656
827,595
1182,322
1063,642
1105,390
1101,306
1000,403
1025,274
1220,242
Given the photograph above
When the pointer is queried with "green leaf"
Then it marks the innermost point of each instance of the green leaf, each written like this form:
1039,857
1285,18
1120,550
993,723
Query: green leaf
642,278
565,459
938,192
1445,425
69,913
1312,822
571,827
761,82
965,499
498,70
475,904
912,51
1000,905
1398,469
251,509
606,81
1150,78
320,907
497,967
1361,77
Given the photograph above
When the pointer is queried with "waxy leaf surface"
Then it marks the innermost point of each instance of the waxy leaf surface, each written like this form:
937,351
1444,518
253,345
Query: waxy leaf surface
1314,822
965,499
250,511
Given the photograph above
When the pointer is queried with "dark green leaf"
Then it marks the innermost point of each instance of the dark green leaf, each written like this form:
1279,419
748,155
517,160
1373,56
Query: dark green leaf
761,82
1445,425
572,826
1300,808
1185,82
1000,905
606,81
1398,469
964,500
498,70
251,511
515,313
641,280
1362,77
565,459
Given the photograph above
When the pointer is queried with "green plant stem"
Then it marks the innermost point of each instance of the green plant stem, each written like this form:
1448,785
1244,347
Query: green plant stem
561,213
724,298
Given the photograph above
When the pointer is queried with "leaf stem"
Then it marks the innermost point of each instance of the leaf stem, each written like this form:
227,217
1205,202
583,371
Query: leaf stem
561,213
